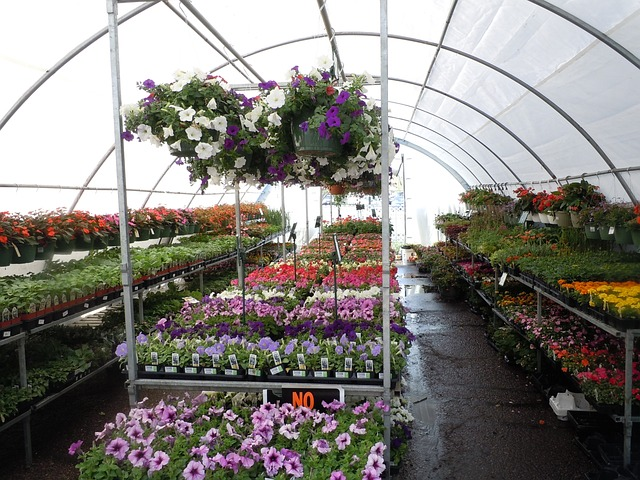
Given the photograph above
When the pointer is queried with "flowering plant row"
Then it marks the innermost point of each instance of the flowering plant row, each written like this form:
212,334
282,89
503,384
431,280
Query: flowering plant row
44,227
593,357
264,356
208,437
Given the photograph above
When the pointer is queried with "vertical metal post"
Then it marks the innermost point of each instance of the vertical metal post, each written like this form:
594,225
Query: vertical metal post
239,237
404,198
284,223
320,227
26,423
386,343
628,397
306,215
140,308
125,254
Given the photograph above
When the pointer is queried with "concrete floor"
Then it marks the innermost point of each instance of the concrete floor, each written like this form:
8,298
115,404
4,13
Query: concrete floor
476,417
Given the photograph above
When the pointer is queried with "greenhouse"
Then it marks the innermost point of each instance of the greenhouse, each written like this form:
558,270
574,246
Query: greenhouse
320,239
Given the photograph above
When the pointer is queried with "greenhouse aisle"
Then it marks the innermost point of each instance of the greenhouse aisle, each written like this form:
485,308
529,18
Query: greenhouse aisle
475,415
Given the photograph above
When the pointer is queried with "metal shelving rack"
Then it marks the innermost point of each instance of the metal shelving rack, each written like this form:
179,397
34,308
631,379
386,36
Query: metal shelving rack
22,337
629,335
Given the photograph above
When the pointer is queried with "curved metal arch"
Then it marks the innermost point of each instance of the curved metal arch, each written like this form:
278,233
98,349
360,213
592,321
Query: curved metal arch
442,163
469,134
399,37
590,29
86,183
491,118
407,132
512,77
464,165
67,58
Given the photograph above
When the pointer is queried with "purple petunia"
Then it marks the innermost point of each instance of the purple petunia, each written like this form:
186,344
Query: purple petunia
273,460
233,130
322,130
118,448
343,97
148,83
194,471
159,460
127,135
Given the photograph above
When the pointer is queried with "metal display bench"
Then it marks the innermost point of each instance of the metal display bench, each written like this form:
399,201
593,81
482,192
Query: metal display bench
629,335
22,337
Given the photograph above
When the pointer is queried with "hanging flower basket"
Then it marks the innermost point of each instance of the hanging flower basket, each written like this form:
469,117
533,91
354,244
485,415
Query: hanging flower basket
308,142
336,189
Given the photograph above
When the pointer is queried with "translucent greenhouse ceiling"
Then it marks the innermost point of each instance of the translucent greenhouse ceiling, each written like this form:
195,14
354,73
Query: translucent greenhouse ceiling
481,92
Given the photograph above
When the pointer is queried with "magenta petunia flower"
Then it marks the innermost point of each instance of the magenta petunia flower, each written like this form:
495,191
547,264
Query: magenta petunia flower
118,448
321,445
337,475
75,446
343,440
194,471
140,458
369,473
159,460
273,460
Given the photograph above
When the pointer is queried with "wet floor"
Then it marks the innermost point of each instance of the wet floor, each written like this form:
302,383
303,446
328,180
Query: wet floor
476,417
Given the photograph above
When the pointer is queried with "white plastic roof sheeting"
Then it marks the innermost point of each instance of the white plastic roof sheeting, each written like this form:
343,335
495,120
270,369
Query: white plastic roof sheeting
490,92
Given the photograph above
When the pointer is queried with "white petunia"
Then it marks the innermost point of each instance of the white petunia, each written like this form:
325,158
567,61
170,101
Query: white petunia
275,99
322,161
255,114
274,119
371,154
220,124
204,150
340,175
155,141
203,121
248,124
193,133
325,62
187,114
212,104
144,132
167,132
370,103
240,162
129,109
214,176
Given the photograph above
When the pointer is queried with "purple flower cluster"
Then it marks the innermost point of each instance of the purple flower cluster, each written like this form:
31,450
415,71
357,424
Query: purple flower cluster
199,435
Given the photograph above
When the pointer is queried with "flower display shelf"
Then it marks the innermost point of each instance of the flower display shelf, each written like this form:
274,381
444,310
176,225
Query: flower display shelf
10,328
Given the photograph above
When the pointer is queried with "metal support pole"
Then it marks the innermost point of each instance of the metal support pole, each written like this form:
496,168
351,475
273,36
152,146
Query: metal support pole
238,235
201,278
140,308
306,215
320,227
404,199
26,423
628,397
284,223
240,250
386,340
125,253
